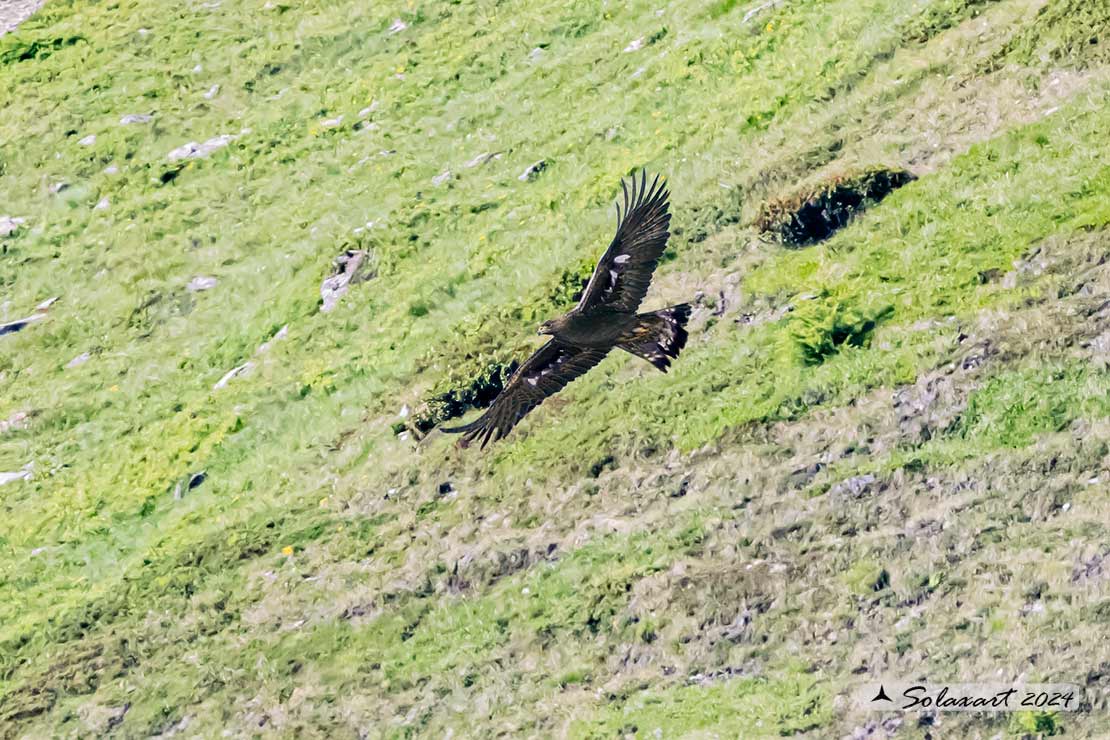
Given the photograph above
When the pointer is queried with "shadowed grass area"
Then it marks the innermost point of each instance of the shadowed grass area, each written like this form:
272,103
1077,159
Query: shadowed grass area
197,550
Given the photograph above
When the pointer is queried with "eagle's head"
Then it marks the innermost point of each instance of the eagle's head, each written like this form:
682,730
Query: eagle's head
548,327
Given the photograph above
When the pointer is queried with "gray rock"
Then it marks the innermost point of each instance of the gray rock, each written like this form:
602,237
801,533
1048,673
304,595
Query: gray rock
441,177
201,282
79,360
88,140
876,729
15,422
136,118
533,170
19,324
100,719
234,372
757,10
282,333
935,402
14,12
1099,349
249,365
24,474
350,267
193,150
1092,570
10,224
854,487
482,159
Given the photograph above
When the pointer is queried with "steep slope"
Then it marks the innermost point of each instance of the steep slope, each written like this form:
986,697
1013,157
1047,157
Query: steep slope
884,452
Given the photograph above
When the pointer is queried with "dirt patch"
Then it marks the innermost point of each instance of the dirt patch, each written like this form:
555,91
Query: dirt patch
816,212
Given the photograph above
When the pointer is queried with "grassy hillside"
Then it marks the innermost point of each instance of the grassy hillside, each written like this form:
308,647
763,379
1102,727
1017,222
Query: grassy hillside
885,451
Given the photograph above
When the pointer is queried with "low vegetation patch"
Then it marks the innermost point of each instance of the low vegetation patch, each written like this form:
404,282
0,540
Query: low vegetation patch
787,704
476,392
821,327
815,213
1068,32
940,16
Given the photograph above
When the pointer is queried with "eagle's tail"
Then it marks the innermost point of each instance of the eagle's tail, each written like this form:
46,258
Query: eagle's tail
659,336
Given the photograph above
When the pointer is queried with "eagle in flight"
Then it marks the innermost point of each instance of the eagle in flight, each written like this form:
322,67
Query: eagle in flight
604,318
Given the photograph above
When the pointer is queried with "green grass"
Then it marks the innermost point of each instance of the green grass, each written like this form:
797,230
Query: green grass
750,707
1012,409
321,580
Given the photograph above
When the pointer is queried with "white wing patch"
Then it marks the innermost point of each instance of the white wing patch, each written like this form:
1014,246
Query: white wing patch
560,357
621,259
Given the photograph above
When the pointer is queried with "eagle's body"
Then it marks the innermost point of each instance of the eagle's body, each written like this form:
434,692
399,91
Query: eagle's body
601,328
605,317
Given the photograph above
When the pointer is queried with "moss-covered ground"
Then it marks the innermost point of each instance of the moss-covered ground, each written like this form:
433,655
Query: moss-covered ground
883,453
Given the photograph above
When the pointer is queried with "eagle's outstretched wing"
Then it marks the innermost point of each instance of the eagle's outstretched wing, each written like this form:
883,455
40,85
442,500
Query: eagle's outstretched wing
621,278
544,374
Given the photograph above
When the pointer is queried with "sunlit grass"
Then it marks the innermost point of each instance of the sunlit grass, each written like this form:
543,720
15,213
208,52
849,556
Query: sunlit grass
403,129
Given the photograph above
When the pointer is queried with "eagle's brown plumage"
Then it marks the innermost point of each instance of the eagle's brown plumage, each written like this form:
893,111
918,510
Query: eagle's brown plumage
604,318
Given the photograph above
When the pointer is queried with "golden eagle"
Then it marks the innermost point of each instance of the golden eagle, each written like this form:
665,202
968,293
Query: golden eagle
604,318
